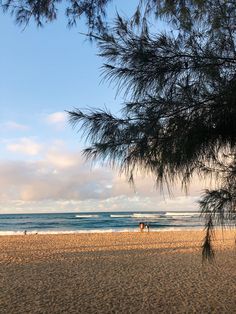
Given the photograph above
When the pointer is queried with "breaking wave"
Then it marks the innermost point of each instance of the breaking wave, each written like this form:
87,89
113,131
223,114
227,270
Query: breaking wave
146,216
121,216
86,216
185,214
44,232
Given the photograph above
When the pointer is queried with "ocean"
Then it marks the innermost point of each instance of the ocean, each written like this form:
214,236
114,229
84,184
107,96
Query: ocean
97,222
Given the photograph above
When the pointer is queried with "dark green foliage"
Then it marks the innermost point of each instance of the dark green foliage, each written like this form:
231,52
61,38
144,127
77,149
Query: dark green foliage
45,11
219,206
180,87
180,119
207,250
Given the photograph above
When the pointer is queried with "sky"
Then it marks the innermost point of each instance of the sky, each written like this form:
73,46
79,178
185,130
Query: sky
45,71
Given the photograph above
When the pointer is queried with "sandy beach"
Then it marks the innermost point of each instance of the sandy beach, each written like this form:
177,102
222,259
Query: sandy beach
156,272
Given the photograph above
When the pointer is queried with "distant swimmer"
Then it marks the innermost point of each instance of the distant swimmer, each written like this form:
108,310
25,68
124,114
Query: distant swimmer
141,226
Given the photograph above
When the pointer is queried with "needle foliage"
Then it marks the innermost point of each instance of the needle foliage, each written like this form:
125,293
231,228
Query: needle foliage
179,120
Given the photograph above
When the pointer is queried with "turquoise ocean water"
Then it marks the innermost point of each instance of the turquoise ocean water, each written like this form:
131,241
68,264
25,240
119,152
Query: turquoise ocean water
97,222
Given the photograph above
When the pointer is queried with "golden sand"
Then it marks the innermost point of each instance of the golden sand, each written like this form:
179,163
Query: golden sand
156,272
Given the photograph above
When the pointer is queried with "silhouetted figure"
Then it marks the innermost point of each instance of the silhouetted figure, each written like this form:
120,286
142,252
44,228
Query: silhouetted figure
25,232
141,226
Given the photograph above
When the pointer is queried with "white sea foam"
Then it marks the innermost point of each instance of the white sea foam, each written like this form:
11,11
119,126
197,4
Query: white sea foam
185,214
86,216
4,233
120,216
146,215
34,232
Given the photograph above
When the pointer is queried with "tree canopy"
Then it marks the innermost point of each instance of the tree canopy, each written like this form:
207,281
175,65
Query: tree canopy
180,87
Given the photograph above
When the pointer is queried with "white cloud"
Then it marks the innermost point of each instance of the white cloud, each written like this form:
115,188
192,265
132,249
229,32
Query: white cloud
62,181
47,179
57,119
27,146
62,160
11,125
118,203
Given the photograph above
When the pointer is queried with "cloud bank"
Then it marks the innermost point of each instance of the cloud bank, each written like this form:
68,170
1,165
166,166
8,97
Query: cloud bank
58,179
26,146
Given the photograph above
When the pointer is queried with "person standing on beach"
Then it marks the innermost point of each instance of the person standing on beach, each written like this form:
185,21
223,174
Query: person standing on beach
147,226
141,226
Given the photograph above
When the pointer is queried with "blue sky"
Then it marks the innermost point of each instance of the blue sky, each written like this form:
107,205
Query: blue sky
47,70
43,73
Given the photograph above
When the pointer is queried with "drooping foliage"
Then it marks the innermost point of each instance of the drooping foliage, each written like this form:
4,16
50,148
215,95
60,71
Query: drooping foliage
45,11
180,117
180,87
181,13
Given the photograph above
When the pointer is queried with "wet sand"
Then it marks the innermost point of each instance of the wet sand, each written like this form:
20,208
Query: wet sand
156,272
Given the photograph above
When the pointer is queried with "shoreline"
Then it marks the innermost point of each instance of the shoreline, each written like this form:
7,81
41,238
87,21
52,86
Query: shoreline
111,231
100,231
